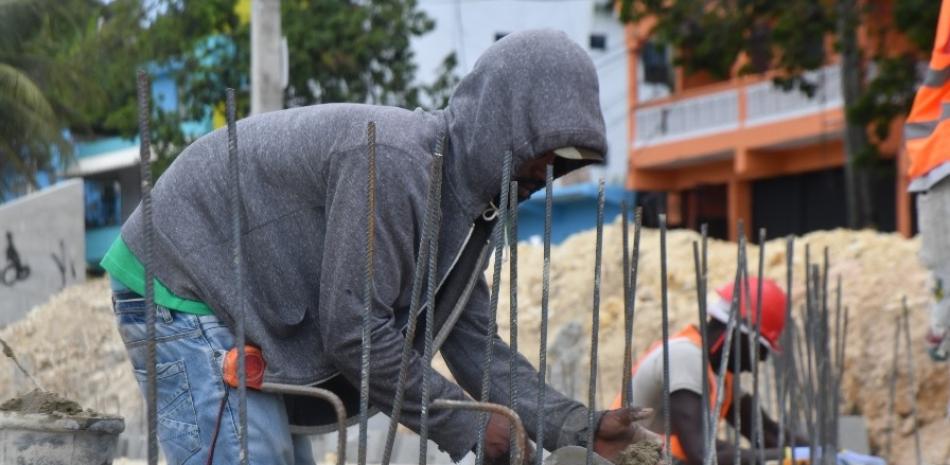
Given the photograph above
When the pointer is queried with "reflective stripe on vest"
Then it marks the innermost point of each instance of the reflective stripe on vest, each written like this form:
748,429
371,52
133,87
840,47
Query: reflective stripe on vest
691,334
927,131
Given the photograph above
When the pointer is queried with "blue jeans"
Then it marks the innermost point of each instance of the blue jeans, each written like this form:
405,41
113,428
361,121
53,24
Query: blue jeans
190,352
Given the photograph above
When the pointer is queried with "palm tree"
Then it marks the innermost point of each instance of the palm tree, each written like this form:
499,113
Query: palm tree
31,129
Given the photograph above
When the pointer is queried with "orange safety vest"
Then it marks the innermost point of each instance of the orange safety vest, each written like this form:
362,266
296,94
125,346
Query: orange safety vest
927,132
690,333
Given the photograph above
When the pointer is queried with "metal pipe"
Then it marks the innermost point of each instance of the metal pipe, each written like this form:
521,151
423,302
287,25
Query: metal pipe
237,228
913,382
498,241
431,284
595,325
513,419
415,306
545,295
318,393
145,172
665,324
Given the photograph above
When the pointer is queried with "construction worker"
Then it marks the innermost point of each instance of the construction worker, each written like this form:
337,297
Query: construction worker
303,175
927,137
686,376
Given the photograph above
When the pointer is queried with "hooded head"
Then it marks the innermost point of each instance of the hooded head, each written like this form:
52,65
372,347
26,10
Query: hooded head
532,92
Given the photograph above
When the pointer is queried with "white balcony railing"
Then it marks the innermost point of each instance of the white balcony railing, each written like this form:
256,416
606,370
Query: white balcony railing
687,118
766,103
719,111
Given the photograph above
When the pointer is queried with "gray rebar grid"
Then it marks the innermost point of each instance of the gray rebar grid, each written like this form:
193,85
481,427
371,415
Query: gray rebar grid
513,303
595,325
237,258
545,295
145,172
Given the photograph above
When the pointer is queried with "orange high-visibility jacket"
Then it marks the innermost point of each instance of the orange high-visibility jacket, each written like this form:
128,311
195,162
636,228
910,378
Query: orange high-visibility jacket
927,132
691,334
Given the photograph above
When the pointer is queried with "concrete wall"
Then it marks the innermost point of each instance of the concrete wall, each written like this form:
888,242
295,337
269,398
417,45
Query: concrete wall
42,240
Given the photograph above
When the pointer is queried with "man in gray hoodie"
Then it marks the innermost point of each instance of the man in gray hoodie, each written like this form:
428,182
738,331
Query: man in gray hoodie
302,176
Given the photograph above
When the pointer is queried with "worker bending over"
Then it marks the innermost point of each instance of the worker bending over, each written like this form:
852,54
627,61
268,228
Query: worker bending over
686,376
303,175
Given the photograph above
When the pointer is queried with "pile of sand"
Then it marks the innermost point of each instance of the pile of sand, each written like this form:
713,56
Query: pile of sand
875,269
73,348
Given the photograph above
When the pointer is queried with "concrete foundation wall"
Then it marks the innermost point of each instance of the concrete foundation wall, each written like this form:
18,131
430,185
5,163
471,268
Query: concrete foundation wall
42,247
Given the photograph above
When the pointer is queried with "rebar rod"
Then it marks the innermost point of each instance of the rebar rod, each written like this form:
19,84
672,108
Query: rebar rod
145,172
702,317
701,290
513,302
545,295
498,241
912,380
892,389
237,227
513,419
712,458
319,393
432,280
595,325
744,291
756,435
625,374
783,360
665,328
366,339
628,323
415,305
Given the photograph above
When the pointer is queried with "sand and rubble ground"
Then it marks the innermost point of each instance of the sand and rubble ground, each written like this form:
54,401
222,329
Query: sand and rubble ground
72,347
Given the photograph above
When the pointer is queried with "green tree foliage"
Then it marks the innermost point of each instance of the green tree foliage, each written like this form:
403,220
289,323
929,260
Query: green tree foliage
790,36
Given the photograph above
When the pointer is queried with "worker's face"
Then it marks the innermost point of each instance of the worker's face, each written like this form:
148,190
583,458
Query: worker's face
531,175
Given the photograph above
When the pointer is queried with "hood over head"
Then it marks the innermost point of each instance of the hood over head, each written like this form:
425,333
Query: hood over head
531,92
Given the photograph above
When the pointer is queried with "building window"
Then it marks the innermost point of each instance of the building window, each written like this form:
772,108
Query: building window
499,35
598,42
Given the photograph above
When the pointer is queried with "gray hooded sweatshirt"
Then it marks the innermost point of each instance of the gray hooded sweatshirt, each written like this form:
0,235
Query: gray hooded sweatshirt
303,181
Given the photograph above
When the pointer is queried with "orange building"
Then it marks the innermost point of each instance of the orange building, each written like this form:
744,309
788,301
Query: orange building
716,152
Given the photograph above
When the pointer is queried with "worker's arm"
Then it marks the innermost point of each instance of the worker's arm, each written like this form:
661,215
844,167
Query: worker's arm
686,420
343,276
769,426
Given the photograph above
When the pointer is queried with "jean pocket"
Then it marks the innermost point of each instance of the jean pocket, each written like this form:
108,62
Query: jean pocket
131,318
177,418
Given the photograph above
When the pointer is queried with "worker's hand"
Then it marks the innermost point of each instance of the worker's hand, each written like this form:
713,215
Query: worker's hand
617,430
498,440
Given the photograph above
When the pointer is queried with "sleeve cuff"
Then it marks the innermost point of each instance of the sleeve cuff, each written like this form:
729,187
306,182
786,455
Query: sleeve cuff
574,430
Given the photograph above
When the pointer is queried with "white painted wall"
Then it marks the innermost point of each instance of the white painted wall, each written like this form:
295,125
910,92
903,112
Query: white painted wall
469,27
48,232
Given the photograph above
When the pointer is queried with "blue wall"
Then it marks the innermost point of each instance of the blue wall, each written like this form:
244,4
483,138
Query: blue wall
574,210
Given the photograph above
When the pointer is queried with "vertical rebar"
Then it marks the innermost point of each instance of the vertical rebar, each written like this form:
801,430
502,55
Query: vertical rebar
595,325
367,289
712,458
545,294
431,284
665,315
513,305
756,435
912,380
737,359
782,361
237,227
892,390
627,339
415,305
704,331
145,172
498,241
630,313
